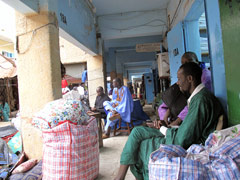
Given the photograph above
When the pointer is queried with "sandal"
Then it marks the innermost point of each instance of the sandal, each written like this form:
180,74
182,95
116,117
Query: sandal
104,136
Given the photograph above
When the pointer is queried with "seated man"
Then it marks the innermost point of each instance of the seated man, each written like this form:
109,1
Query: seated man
101,97
121,105
201,120
165,115
174,108
164,111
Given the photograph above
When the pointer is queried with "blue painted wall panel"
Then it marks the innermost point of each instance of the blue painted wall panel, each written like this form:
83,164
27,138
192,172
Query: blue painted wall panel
127,42
79,22
132,56
176,49
149,87
111,62
33,4
216,50
192,37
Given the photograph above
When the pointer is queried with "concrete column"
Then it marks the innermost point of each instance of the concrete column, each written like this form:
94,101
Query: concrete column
125,80
120,75
95,76
39,76
113,75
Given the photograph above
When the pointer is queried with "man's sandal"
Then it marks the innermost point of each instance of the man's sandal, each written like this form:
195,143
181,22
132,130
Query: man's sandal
104,136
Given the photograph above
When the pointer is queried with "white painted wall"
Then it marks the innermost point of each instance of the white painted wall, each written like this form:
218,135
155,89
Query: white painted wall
7,22
181,12
133,24
75,70
70,53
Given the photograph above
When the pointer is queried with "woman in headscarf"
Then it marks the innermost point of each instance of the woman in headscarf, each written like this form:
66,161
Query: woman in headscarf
4,109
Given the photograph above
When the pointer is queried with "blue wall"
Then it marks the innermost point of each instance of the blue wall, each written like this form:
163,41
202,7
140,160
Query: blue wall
132,56
133,24
192,37
119,52
117,57
216,50
176,48
80,22
75,19
130,42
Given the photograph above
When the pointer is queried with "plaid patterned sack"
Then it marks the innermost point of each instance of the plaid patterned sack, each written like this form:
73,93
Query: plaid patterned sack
218,159
71,152
169,162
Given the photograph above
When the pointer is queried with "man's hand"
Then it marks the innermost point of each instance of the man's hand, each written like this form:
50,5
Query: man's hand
93,109
177,122
157,124
114,112
114,105
165,118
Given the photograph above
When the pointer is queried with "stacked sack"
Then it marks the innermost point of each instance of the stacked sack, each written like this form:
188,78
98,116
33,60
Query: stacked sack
70,138
218,159
60,111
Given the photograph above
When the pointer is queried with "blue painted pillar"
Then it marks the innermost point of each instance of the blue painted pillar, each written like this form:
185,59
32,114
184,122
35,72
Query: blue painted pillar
192,37
111,63
216,50
176,49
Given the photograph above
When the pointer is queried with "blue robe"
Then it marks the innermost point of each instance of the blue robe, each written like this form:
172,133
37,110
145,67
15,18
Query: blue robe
84,76
123,99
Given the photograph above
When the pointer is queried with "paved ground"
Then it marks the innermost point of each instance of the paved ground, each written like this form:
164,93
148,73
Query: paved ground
111,151
110,158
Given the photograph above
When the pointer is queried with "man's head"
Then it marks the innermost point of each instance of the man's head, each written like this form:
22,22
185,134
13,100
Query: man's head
99,90
189,77
189,57
117,83
82,84
75,88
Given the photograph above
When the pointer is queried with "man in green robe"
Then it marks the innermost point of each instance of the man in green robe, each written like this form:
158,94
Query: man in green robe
201,120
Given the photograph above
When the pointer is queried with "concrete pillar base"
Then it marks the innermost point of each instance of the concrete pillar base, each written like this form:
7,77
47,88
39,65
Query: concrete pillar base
125,81
95,77
39,75
32,140
113,75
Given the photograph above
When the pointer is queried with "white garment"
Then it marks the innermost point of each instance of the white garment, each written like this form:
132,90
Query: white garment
72,95
80,90
196,90
65,90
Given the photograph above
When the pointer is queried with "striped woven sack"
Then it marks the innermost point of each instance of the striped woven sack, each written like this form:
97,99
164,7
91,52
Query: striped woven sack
71,152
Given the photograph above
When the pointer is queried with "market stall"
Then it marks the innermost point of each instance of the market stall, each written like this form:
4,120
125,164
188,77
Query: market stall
8,82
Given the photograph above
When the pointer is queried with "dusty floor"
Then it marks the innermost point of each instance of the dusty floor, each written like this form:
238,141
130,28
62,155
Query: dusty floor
111,151
110,158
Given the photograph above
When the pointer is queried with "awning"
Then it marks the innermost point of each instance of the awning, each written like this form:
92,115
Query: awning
72,80
8,67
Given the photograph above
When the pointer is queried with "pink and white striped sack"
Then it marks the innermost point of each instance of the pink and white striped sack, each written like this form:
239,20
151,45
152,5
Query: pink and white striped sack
71,152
